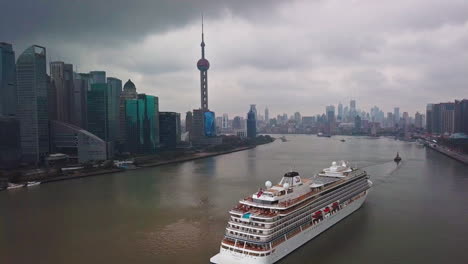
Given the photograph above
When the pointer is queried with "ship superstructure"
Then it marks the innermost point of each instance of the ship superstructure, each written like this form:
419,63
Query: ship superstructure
274,221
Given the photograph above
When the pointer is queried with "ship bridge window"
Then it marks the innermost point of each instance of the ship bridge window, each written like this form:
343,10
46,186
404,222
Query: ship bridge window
265,202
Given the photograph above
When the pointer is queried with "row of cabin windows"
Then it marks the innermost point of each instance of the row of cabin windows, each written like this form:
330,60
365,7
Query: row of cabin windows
247,253
243,235
247,229
236,219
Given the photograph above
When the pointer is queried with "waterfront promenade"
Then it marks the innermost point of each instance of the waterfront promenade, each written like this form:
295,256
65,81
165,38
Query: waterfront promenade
452,154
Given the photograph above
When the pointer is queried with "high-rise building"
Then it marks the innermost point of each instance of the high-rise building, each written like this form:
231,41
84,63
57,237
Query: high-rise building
396,114
31,80
461,116
390,121
142,128
8,97
340,112
225,122
103,108
97,110
61,75
357,124
169,135
237,123
352,109
331,121
114,90
10,144
251,123
429,118
80,89
447,118
188,122
267,115
129,92
97,77
197,132
406,118
254,109
436,119
297,117
418,120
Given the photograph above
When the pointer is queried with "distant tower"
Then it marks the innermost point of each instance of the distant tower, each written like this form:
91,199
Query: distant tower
203,65
267,115
251,123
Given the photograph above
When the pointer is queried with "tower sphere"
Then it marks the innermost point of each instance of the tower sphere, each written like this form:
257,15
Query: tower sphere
203,64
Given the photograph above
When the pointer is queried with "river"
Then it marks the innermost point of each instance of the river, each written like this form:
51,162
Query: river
416,212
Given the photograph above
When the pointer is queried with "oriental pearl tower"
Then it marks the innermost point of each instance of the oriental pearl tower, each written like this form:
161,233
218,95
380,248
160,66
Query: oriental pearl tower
203,65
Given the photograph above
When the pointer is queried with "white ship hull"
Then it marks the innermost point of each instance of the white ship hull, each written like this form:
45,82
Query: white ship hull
229,257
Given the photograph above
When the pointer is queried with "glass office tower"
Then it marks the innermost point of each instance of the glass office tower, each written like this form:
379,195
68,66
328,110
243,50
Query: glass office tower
142,124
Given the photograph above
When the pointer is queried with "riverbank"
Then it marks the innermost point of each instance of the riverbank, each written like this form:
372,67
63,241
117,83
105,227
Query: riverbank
194,156
452,154
103,171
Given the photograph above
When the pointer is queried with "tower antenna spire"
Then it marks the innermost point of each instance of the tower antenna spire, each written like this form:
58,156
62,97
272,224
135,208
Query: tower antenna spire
203,65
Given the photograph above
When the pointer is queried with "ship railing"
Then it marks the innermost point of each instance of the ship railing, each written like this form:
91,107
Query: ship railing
246,245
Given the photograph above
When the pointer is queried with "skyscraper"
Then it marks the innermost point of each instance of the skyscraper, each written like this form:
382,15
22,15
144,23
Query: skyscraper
331,121
297,117
97,77
8,97
352,109
31,79
429,118
396,114
129,92
142,117
251,123
253,108
114,90
267,115
169,124
225,122
447,118
340,112
203,65
461,116
10,146
237,123
80,89
418,120
61,75
188,121
97,110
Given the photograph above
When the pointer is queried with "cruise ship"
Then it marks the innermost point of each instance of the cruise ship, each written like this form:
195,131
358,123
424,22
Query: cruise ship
273,222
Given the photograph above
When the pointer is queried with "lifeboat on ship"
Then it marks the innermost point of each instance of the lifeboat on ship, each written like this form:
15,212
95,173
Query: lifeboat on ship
317,214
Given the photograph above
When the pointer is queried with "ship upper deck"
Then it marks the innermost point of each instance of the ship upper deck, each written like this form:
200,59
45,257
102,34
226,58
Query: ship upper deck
282,198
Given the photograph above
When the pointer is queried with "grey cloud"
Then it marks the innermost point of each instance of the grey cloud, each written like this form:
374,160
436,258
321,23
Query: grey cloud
299,55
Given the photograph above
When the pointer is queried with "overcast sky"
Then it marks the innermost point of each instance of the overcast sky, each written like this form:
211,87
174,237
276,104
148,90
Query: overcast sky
287,55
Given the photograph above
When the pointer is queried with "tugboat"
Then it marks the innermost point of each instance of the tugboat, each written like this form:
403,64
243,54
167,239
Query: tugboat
397,158
342,140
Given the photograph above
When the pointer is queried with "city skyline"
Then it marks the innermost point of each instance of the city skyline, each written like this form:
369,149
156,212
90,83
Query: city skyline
320,63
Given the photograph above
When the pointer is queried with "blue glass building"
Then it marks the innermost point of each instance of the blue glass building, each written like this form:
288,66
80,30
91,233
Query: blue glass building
142,124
